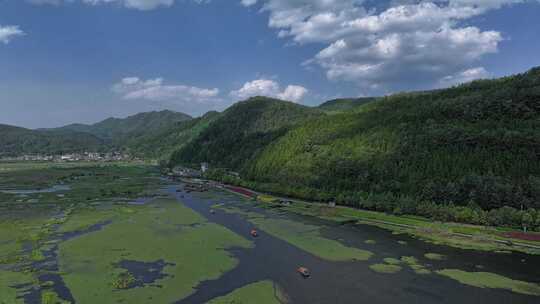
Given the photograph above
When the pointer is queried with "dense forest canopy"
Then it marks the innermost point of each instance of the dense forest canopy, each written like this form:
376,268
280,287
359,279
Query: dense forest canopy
242,131
17,141
476,145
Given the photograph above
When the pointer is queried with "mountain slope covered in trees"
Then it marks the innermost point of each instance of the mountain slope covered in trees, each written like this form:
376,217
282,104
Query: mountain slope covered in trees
242,131
163,142
17,141
344,104
121,130
149,135
470,153
478,143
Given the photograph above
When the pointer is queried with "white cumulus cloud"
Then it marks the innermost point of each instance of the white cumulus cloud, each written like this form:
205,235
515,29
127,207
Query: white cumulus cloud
248,2
135,4
143,5
465,76
134,88
9,32
293,93
270,88
407,42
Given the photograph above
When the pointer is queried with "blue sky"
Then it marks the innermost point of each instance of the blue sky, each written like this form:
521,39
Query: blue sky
65,61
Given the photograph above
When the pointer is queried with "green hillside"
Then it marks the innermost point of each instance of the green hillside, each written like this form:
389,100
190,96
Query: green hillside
476,144
242,131
150,135
120,130
17,141
162,143
344,104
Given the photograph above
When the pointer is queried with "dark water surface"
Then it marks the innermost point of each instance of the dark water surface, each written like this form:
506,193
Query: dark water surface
353,282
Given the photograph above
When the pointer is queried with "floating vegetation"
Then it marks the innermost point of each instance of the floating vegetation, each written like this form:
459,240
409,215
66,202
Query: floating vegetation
392,261
491,280
88,262
124,280
419,269
37,255
308,238
8,282
410,260
370,242
434,256
264,292
413,263
385,268
50,297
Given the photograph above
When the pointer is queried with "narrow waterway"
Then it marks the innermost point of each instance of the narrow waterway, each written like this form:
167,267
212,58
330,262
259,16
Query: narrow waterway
352,282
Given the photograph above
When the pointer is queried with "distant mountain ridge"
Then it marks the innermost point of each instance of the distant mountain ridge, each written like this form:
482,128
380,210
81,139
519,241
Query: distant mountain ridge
119,130
109,134
16,141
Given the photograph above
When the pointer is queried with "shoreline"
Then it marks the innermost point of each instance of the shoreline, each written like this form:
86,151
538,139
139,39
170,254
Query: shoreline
464,236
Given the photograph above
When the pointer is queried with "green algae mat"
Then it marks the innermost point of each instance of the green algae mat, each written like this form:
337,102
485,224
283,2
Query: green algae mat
8,281
491,280
304,236
189,247
264,292
308,238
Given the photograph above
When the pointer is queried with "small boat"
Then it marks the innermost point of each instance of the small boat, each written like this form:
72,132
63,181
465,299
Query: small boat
254,233
304,272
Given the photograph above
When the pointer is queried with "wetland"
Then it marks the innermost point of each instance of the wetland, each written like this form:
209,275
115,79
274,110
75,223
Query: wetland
122,233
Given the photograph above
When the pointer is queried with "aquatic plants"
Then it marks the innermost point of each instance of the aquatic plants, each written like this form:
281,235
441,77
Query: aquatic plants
263,292
308,238
158,230
491,280
9,279
434,256
385,268
124,280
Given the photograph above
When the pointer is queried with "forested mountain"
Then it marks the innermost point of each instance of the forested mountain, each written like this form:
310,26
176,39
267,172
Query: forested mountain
16,141
150,135
242,131
478,143
470,153
344,104
121,130
163,142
